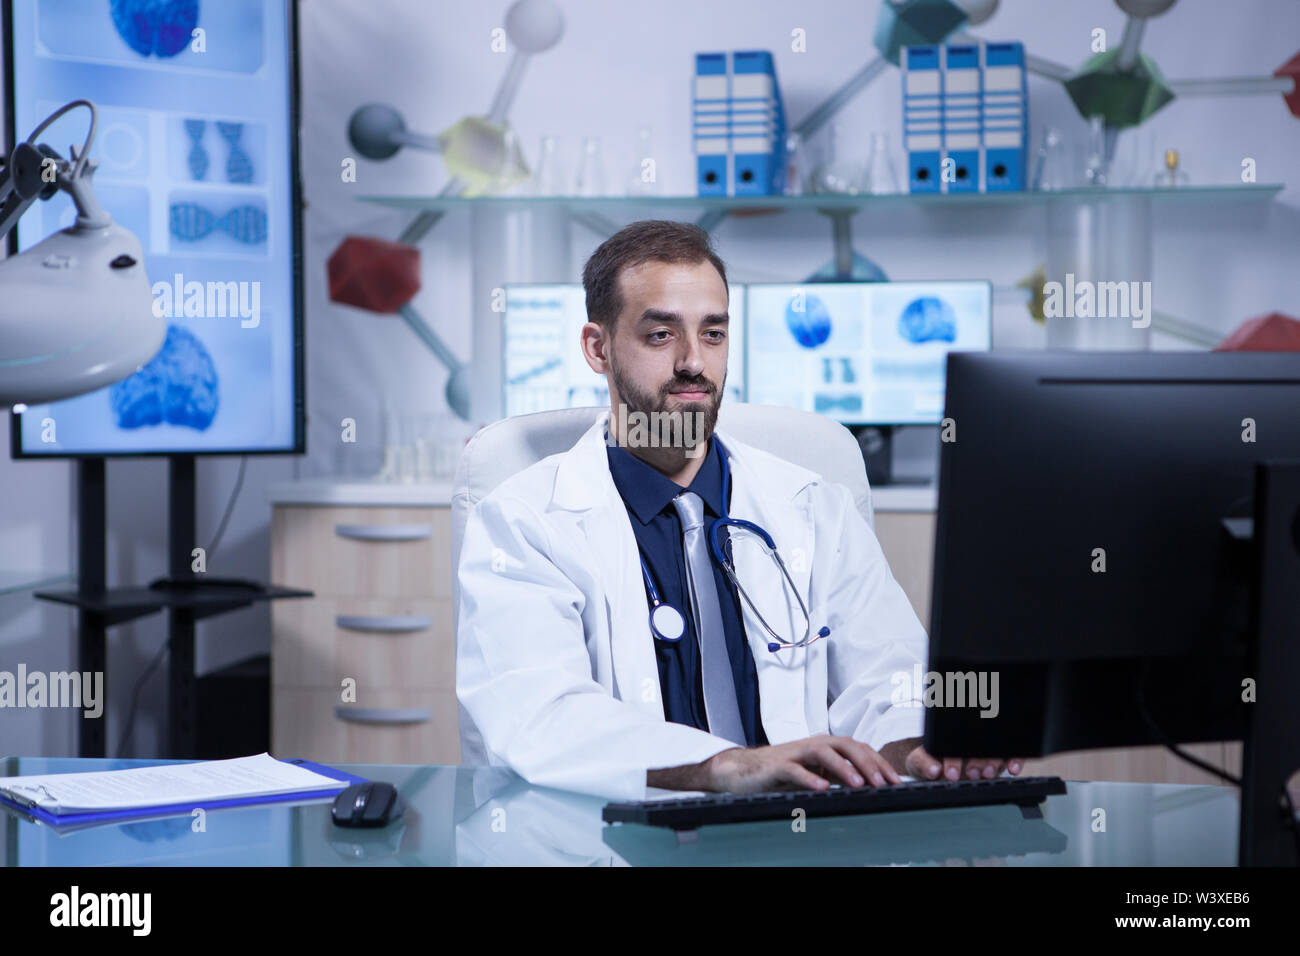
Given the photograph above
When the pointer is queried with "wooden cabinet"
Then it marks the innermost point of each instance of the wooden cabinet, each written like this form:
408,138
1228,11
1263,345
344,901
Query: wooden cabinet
365,670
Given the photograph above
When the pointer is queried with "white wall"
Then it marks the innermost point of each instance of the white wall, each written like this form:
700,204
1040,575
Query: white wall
619,66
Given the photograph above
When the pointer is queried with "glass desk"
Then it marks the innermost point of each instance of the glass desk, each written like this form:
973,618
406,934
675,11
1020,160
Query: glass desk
487,816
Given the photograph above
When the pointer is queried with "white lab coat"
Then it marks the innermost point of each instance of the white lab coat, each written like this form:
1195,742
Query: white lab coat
555,662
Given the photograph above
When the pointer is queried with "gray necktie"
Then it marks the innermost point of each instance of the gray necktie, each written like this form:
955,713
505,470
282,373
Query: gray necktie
715,664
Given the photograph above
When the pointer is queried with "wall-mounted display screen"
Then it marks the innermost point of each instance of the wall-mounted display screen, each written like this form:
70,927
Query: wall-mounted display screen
197,156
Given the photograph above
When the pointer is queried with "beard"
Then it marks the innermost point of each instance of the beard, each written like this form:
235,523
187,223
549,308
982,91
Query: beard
703,413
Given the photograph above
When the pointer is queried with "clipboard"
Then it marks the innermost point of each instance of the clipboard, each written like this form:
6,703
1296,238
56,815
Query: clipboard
92,817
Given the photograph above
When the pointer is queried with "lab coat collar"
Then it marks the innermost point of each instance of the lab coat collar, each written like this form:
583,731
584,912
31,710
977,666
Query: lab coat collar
648,491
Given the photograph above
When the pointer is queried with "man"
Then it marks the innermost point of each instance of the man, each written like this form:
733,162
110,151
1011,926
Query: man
559,672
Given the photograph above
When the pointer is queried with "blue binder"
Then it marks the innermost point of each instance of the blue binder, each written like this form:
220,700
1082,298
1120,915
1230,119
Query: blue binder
1005,116
922,117
738,125
757,125
136,813
711,109
962,131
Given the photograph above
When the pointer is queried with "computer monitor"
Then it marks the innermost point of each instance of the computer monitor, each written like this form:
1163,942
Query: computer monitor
1081,552
863,353
543,366
197,153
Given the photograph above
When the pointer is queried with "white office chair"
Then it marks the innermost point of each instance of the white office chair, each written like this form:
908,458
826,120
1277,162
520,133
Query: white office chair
503,448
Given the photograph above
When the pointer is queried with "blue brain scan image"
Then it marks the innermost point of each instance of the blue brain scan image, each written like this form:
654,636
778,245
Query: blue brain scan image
811,326
928,319
178,386
161,27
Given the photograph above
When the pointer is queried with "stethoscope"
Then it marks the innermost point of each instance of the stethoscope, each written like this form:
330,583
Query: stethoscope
667,623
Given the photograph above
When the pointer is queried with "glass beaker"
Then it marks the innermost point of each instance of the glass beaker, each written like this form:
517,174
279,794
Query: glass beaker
882,176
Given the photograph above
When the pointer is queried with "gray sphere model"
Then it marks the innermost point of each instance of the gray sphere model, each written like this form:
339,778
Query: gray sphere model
977,11
1145,9
534,25
373,130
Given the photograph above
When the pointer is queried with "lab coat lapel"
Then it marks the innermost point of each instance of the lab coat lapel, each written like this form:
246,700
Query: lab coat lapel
766,500
583,484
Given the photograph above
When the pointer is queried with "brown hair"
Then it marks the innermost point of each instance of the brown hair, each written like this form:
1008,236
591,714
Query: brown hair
659,240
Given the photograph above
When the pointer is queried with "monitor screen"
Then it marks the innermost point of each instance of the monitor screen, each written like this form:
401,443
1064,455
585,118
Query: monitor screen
864,353
197,154
543,364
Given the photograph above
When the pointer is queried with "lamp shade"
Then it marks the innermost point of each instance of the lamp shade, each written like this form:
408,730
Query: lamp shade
76,314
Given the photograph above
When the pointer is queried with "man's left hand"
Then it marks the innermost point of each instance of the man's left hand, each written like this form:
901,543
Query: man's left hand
922,766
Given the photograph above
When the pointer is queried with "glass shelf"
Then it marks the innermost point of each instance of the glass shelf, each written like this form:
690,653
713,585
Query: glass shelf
12,582
1254,192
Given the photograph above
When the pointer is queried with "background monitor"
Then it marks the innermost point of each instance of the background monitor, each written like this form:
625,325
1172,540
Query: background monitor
543,364
1081,550
197,153
863,353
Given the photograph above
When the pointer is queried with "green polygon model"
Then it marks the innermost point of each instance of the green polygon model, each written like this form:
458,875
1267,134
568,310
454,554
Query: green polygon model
1123,98
915,23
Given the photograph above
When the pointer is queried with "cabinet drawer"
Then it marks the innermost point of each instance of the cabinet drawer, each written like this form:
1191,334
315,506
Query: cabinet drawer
373,552
381,643
388,726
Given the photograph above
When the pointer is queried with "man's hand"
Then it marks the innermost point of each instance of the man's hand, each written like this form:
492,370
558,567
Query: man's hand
919,764
813,763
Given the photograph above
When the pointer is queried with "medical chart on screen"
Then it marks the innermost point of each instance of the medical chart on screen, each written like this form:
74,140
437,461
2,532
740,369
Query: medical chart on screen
862,353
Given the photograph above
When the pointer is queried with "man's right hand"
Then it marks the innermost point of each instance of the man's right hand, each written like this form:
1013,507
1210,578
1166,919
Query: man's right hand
813,763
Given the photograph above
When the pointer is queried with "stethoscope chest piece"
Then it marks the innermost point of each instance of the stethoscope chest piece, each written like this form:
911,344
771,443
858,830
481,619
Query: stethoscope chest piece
667,623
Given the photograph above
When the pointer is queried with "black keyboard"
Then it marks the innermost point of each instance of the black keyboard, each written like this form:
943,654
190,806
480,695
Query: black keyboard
691,812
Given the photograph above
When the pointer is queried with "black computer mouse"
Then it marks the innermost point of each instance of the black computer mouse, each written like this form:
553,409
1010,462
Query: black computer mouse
370,804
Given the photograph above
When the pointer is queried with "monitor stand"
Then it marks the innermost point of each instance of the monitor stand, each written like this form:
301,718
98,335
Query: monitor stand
186,596
877,444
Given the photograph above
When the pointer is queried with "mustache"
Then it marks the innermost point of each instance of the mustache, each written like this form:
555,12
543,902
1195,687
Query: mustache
698,384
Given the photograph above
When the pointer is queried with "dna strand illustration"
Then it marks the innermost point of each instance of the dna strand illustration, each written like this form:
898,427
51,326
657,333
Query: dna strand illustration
239,167
198,156
191,222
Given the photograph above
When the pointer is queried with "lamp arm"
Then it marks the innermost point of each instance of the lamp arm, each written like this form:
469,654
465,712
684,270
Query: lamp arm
25,178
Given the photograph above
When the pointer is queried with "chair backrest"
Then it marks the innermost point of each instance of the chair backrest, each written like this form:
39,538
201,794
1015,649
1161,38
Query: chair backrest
509,446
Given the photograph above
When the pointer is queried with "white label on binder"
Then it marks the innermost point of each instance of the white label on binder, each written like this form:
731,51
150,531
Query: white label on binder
711,87
920,82
1010,138
746,85
1003,77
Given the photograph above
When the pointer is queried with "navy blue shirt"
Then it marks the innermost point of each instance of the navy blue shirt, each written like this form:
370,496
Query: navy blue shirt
648,494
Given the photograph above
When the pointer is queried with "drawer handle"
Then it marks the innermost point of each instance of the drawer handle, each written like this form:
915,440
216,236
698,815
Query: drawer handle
382,622
384,715
384,532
